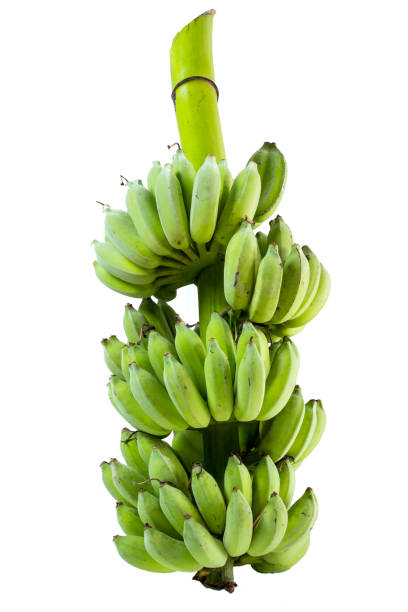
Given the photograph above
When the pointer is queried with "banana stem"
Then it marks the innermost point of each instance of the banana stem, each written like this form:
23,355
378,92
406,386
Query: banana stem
196,98
221,579
220,440
210,295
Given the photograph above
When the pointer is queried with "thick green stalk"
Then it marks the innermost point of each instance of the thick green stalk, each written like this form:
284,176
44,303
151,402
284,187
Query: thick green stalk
211,296
220,440
196,100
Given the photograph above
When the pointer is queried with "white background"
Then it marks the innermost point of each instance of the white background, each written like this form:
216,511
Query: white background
86,98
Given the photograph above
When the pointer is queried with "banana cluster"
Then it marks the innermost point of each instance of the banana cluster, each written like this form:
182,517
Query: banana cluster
183,220
272,280
181,519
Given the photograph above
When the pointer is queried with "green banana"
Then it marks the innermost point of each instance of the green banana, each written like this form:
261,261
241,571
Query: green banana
226,182
150,512
267,289
120,286
154,399
164,465
168,551
295,280
129,519
126,481
184,393
263,242
169,314
191,352
185,172
203,546
121,232
112,350
250,384
146,443
314,279
301,518
242,202
318,301
134,323
107,479
156,318
220,394
157,346
272,170
250,331
265,481
188,445
269,527
122,399
237,476
281,379
171,209
175,505
280,234
132,550
152,176
120,267
204,202
276,562
209,499
241,263
287,479
282,430
130,451
219,329
132,353
238,525
306,431
317,433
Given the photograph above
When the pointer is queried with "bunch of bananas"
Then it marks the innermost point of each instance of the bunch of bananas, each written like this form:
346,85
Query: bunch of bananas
180,519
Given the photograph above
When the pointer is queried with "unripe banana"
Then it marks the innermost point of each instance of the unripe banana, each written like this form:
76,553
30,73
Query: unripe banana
242,202
157,347
267,289
191,352
280,234
272,170
134,323
318,301
122,399
226,182
171,209
150,512
132,353
130,451
203,546
107,479
281,379
295,280
219,329
269,528
169,314
184,393
121,232
132,550
188,445
220,394
146,444
287,479
314,279
166,291
276,562
250,384
129,520
168,551
185,172
241,262
120,286
152,176
175,505
126,481
154,399
237,476
238,525
306,431
119,266
209,499
112,351
156,317
250,331
141,206
204,202
301,518
317,434
265,482
262,240
164,465
283,429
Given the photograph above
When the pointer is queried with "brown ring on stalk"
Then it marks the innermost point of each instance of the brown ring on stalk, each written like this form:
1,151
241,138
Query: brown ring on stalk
193,78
